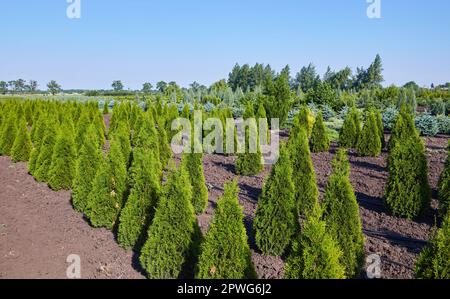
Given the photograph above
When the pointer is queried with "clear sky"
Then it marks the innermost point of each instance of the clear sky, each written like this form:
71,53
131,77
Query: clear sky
140,41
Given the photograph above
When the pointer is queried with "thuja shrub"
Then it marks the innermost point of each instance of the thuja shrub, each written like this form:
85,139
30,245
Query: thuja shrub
303,176
369,143
434,261
351,130
139,209
407,190
248,163
304,119
8,135
193,164
225,253
107,196
173,237
63,166
44,158
404,128
21,149
319,139
315,253
341,213
379,119
88,163
444,187
275,220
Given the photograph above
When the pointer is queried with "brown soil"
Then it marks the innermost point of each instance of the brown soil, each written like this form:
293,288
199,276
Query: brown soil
39,228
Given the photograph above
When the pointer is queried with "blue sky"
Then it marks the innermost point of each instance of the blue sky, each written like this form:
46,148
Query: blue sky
140,41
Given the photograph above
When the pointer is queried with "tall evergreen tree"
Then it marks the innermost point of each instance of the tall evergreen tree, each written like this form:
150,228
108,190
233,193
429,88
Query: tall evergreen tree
275,220
319,138
315,254
88,163
225,253
341,212
174,235
193,164
21,149
62,168
303,177
369,143
138,211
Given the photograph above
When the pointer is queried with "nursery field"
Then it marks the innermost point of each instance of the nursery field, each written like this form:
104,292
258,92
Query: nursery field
39,227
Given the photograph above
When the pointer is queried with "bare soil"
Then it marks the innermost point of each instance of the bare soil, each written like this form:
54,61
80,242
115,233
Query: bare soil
39,228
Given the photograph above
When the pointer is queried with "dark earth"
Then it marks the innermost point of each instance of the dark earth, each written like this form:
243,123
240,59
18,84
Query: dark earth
39,228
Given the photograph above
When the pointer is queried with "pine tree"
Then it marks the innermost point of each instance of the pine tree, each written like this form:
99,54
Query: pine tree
249,163
319,138
348,136
434,261
225,253
341,213
44,159
444,187
315,254
193,164
369,143
275,220
407,191
174,235
138,211
62,168
303,176
89,160
21,149
108,190
8,135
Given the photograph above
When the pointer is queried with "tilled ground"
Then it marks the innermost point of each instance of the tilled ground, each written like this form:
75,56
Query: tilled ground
39,228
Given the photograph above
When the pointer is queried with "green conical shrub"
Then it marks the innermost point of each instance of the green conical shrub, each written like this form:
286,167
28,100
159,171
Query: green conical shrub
108,190
138,211
44,159
38,130
122,136
444,187
173,237
21,149
193,164
369,143
165,151
434,261
225,253
276,215
248,163
380,128
306,193
81,129
404,128
8,135
106,108
147,137
62,169
341,213
89,160
304,119
315,254
348,136
407,191
319,139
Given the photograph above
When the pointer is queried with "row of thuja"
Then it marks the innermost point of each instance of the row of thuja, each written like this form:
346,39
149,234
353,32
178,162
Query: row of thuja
122,190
